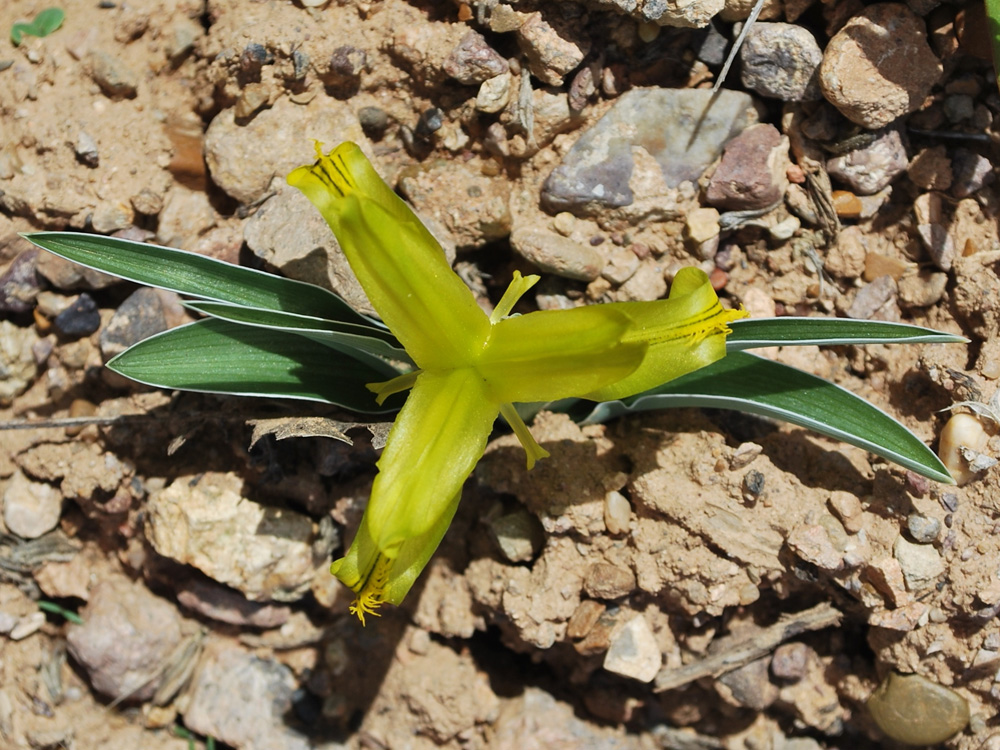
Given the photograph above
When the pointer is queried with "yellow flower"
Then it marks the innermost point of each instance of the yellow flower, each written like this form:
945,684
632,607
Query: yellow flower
472,367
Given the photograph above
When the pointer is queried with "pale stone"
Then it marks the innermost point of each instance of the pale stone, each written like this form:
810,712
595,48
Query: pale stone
633,651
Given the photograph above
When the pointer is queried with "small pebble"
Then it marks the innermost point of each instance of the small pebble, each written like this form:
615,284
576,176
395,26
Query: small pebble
701,225
958,107
781,61
113,76
519,535
30,509
552,51
86,149
80,319
753,171
924,530
914,710
921,564
494,93
608,582
557,254
617,512
846,204
374,122
473,61
27,625
633,651
790,661
971,172
962,430
868,168
930,169
584,618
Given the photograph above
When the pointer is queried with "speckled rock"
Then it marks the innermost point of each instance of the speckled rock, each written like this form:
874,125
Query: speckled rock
869,168
205,522
879,66
781,61
473,61
752,173
20,283
126,639
140,316
242,700
30,509
673,128
912,709
553,46
278,138
694,14
289,234
471,207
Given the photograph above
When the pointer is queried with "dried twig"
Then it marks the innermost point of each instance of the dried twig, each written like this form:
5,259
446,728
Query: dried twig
734,652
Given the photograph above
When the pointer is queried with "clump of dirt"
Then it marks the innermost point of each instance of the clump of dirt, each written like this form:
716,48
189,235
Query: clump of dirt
672,580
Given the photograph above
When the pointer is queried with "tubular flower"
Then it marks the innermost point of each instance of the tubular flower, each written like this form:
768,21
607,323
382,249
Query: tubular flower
472,367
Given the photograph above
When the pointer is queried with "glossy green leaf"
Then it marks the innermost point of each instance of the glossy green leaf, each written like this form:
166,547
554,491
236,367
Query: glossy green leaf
218,356
752,333
198,276
748,383
42,24
346,337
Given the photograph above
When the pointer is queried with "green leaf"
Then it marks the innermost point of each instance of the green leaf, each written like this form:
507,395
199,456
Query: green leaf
751,333
346,337
218,356
43,24
993,26
748,383
198,276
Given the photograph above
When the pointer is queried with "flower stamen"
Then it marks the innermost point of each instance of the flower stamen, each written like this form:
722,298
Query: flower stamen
370,591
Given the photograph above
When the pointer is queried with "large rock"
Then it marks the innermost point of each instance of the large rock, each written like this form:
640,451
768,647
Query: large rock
267,553
243,159
242,700
879,66
684,131
127,639
290,234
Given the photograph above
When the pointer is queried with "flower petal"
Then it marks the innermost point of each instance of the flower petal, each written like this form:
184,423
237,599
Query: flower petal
432,448
683,333
400,265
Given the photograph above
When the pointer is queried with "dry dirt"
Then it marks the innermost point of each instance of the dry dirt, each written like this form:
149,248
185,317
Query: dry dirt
627,592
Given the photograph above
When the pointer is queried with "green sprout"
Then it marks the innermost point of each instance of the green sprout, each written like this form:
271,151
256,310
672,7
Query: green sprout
67,614
268,336
43,24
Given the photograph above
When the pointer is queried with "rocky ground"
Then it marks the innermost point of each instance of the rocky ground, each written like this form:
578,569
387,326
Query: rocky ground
677,580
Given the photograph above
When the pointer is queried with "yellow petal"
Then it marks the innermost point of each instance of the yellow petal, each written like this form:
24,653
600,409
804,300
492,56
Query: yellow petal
432,448
553,354
682,334
400,265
